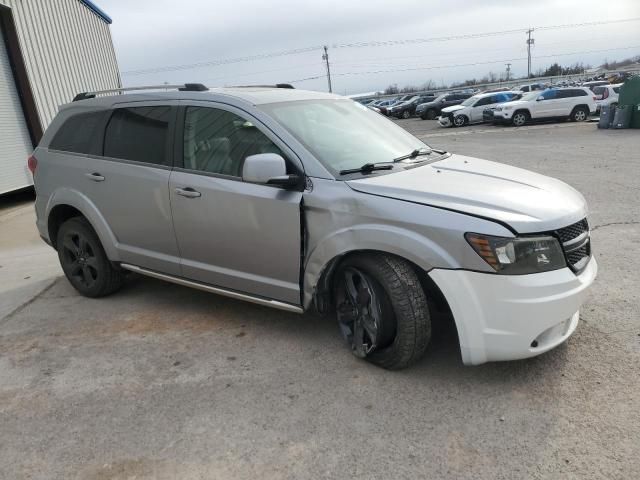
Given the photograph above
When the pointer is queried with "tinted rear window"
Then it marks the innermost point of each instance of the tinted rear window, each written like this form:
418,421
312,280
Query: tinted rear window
140,134
77,133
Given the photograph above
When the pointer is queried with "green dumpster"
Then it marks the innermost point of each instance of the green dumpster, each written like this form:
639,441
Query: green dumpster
635,117
628,103
630,91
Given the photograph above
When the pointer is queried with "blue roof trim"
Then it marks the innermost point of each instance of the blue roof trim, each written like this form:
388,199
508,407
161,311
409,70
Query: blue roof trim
97,10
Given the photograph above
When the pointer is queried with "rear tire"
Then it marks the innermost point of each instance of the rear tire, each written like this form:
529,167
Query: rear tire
384,293
406,114
579,114
84,261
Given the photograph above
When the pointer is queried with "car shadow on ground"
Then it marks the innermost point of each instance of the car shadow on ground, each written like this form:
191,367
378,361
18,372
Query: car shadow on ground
193,309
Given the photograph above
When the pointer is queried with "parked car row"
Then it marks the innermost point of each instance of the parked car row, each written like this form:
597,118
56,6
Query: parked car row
517,108
464,107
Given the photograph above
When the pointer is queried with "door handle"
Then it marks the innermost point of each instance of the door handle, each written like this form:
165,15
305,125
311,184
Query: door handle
96,177
188,192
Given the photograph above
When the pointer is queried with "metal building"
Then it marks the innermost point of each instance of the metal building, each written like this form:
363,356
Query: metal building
49,51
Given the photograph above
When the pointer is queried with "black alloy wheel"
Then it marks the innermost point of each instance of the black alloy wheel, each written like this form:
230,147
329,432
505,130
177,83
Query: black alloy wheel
84,260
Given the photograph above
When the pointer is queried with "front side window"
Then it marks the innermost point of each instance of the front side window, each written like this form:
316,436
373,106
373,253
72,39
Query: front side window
342,134
549,94
217,141
78,133
139,134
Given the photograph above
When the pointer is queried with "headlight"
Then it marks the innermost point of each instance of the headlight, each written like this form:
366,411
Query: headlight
498,109
520,255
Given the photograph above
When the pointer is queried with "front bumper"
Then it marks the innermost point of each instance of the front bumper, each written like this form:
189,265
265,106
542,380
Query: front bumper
509,317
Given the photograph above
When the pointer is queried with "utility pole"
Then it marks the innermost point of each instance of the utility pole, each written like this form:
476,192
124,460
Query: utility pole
508,71
530,41
325,57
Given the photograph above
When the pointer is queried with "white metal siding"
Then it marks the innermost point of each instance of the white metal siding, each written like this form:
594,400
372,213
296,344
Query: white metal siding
66,48
15,143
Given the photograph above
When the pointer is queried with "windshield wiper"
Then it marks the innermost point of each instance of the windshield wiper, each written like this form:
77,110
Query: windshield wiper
414,154
368,167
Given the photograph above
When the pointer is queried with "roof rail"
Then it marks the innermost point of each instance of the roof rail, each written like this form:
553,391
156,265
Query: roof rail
185,87
277,85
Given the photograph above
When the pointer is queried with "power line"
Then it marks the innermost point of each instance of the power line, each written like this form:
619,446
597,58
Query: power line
297,51
385,43
410,69
215,63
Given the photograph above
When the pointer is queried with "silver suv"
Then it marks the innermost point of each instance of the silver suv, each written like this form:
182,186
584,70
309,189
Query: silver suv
300,200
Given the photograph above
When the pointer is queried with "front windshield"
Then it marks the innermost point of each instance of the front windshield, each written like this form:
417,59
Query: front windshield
343,134
469,101
440,97
530,96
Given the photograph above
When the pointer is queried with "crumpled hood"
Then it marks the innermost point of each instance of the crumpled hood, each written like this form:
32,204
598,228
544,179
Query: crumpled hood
453,108
526,201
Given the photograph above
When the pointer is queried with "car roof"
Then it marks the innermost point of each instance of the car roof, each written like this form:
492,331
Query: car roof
251,95
488,94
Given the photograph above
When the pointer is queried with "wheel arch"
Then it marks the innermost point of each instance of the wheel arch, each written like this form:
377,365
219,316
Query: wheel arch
522,110
322,297
67,203
581,106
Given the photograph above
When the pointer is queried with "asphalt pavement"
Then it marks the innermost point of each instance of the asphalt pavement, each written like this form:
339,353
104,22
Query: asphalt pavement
161,381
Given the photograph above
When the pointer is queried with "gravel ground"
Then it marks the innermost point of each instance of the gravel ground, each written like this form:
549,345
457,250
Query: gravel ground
160,381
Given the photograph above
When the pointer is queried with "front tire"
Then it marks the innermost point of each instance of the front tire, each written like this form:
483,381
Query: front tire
460,121
84,261
431,114
382,310
519,119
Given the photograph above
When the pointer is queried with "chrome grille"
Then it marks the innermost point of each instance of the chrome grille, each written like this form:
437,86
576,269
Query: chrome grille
576,244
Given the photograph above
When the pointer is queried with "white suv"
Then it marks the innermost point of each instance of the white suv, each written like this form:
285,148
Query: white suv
575,103
470,111
606,95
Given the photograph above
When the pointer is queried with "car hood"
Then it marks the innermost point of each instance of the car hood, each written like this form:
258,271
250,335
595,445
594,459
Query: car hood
453,108
528,202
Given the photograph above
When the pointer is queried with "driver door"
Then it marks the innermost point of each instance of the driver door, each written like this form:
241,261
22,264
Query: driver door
240,236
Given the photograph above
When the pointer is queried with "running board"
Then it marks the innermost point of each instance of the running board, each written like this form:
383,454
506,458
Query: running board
208,288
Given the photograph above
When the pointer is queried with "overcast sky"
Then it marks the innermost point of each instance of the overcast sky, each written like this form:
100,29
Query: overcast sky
159,33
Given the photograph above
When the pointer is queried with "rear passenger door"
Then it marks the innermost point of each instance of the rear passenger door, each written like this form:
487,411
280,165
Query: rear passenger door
240,236
127,179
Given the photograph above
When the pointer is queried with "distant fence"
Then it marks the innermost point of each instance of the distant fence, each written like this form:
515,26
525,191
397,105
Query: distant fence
505,84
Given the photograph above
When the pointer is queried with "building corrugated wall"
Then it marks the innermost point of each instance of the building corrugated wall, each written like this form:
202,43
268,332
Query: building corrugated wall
66,47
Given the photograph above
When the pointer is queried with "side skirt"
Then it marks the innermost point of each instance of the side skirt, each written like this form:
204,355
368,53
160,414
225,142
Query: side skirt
220,291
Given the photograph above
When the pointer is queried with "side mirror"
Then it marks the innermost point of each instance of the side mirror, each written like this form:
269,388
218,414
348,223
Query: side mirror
539,99
268,169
